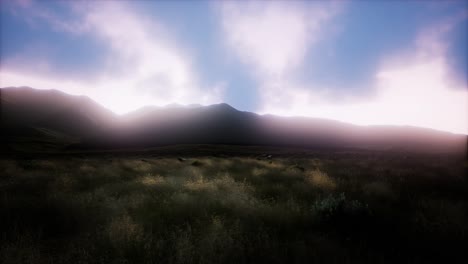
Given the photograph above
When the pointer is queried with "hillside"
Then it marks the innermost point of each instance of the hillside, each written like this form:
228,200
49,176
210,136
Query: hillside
31,117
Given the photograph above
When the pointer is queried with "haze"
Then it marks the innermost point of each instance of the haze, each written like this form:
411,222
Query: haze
362,62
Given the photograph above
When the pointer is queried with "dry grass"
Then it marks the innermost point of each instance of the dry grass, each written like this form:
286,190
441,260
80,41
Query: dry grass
152,180
339,209
321,180
123,230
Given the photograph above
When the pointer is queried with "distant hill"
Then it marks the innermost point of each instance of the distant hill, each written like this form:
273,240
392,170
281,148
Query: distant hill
48,120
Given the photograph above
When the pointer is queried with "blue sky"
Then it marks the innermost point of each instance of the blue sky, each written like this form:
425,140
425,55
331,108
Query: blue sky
363,62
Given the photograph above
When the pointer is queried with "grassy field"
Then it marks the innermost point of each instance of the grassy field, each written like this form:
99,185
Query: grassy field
335,207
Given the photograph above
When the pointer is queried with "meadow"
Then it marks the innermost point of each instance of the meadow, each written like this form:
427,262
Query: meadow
330,207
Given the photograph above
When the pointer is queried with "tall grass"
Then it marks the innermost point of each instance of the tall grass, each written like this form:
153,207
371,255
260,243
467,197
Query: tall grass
328,209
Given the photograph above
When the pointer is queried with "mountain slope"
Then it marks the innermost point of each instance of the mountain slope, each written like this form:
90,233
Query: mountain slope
49,119
80,123
74,115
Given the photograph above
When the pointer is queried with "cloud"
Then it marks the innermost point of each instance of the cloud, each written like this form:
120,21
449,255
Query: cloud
23,3
33,14
411,87
415,94
144,66
273,37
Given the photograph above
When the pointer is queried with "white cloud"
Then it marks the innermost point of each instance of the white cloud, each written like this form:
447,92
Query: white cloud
411,88
273,37
23,3
415,94
145,66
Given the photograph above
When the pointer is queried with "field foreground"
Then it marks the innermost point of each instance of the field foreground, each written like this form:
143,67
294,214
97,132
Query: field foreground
334,207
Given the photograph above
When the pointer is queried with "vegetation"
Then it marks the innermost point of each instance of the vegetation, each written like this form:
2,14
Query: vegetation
326,208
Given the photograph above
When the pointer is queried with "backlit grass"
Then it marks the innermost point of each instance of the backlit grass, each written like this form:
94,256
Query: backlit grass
334,208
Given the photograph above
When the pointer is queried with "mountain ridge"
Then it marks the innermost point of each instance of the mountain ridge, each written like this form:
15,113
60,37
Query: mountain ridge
96,127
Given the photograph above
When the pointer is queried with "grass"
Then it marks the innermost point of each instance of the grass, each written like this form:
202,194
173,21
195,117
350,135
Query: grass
326,208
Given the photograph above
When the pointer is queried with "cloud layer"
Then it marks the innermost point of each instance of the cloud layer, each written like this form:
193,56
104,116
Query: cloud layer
144,64
134,57
411,87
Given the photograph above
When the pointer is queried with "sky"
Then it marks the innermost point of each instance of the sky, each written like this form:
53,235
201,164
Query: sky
361,62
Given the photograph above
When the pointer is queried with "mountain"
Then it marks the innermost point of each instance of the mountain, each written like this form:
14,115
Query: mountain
56,120
74,115
49,119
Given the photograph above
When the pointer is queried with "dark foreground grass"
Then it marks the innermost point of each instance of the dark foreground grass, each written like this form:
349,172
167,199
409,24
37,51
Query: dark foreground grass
333,208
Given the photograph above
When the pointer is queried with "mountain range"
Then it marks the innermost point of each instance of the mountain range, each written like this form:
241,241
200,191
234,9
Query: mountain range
50,120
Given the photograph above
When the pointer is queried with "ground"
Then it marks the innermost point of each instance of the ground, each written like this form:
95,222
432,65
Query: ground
233,205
